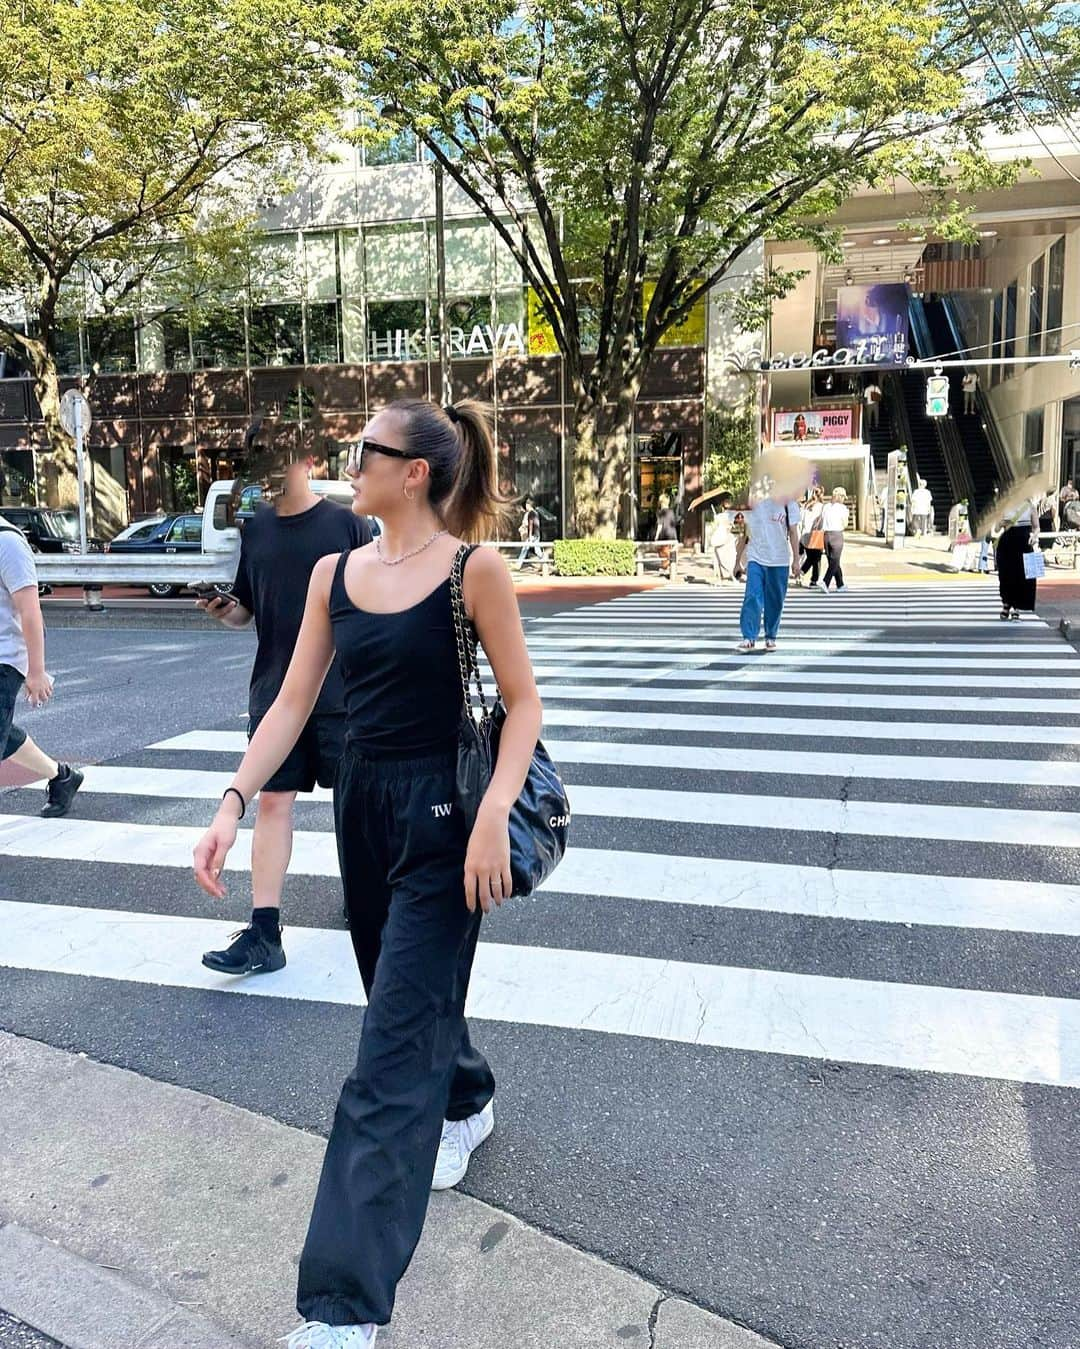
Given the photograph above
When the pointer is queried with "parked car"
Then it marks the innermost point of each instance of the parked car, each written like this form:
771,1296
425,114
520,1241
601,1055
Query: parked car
167,534
47,530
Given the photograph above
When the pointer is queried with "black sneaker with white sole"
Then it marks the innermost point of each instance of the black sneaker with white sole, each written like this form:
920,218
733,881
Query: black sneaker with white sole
60,792
249,952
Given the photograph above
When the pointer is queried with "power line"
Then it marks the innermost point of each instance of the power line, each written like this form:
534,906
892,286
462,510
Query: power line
1051,79
1013,94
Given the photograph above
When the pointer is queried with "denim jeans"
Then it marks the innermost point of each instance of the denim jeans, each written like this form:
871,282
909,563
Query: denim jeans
766,588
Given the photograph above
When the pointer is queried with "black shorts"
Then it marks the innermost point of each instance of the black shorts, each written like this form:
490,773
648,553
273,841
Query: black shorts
315,756
12,737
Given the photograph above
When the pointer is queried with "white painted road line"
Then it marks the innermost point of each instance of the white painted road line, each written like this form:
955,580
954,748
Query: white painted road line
774,698
823,729
880,819
1050,649
1010,1036
764,671
208,785
762,887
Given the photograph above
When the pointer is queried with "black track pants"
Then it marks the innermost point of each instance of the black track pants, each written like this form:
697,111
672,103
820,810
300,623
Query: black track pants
402,857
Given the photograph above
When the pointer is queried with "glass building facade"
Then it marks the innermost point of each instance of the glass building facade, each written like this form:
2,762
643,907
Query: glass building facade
334,323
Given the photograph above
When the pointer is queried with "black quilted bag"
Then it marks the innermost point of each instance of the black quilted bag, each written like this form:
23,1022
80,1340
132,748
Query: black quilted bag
540,818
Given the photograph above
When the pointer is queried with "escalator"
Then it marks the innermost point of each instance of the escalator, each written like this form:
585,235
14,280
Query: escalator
975,429
905,392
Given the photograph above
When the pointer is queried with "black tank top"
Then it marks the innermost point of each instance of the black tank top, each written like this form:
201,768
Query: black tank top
402,679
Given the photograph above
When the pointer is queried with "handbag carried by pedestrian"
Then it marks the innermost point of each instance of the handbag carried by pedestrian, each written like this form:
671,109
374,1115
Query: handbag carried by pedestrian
540,818
816,539
1034,566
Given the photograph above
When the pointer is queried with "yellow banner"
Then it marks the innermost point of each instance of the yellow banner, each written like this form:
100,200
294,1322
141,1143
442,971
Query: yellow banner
541,334
689,333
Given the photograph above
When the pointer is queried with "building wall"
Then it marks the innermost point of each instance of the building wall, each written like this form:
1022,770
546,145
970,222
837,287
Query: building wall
1034,388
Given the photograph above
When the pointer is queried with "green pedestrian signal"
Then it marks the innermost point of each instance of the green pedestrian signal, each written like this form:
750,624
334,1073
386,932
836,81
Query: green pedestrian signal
937,396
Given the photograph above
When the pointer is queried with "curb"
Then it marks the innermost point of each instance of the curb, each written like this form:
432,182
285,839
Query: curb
120,1207
88,1306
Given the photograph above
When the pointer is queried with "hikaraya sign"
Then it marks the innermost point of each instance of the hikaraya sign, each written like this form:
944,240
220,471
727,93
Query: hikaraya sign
404,344
812,425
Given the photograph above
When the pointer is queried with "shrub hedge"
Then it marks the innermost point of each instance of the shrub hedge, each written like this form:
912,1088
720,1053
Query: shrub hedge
594,557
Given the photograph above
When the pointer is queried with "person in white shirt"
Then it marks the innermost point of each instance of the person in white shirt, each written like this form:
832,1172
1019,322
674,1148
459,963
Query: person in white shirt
810,534
834,520
872,403
969,384
772,554
723,543
922,509
22,664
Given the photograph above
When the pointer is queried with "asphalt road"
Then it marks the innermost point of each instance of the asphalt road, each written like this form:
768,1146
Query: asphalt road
826,1203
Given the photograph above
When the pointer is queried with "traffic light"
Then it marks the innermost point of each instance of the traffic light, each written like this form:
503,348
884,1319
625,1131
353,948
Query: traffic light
937,396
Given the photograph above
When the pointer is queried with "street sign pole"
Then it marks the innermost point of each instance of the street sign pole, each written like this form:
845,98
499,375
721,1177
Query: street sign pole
75,419
81,463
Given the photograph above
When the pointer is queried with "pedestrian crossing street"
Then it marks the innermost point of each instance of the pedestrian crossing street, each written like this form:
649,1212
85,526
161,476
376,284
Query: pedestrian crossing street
904,761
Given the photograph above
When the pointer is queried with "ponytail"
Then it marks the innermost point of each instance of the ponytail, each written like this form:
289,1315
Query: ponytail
459,446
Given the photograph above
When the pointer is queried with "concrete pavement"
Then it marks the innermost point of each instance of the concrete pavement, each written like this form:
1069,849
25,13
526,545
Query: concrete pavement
140,1214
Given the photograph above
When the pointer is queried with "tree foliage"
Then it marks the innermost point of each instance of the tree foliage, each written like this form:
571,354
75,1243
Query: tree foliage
655,141
135,139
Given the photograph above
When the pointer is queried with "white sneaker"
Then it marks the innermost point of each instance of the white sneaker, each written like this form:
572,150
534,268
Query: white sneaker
460,1139
840,589
318,1335
822,586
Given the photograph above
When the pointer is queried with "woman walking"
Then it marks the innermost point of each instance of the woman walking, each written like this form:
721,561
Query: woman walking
667,534
1016,591
811,534
416,880
723,542
772,552
834,520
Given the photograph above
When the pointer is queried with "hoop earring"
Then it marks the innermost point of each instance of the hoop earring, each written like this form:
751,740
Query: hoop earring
408,495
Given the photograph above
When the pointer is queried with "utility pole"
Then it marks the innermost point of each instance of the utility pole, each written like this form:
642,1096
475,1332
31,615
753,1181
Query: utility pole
440,289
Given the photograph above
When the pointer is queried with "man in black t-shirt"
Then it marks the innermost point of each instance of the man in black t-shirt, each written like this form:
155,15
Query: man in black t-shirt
279,548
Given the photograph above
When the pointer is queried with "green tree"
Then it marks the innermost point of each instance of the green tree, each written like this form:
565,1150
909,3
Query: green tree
135,137
655,141
732,439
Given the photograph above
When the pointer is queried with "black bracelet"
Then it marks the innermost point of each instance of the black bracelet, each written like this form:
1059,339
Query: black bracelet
243,803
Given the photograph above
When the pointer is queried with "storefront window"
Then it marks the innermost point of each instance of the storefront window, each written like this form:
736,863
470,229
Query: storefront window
323,334
531,457
276,270
110,344
175,344
469,259
395,262
658,473
321,267
397,330
1035,308
276,335
1055,290
218,342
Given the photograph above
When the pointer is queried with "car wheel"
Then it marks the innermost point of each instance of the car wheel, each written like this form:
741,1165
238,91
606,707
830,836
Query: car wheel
224,589
164,592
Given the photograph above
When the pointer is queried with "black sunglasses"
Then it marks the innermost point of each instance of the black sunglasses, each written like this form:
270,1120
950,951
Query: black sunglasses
355,462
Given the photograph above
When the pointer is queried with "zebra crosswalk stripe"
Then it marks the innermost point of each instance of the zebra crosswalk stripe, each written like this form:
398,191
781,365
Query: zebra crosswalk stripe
608,739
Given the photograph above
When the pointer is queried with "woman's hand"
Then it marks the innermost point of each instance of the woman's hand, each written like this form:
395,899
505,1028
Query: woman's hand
212,850
487,861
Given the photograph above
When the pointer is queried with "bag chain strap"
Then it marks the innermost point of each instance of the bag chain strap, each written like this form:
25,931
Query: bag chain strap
465,636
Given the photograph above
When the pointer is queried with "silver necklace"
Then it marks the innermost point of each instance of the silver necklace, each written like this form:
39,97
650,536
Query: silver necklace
397,561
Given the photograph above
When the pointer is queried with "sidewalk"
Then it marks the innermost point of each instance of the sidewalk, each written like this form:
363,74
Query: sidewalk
144,1216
